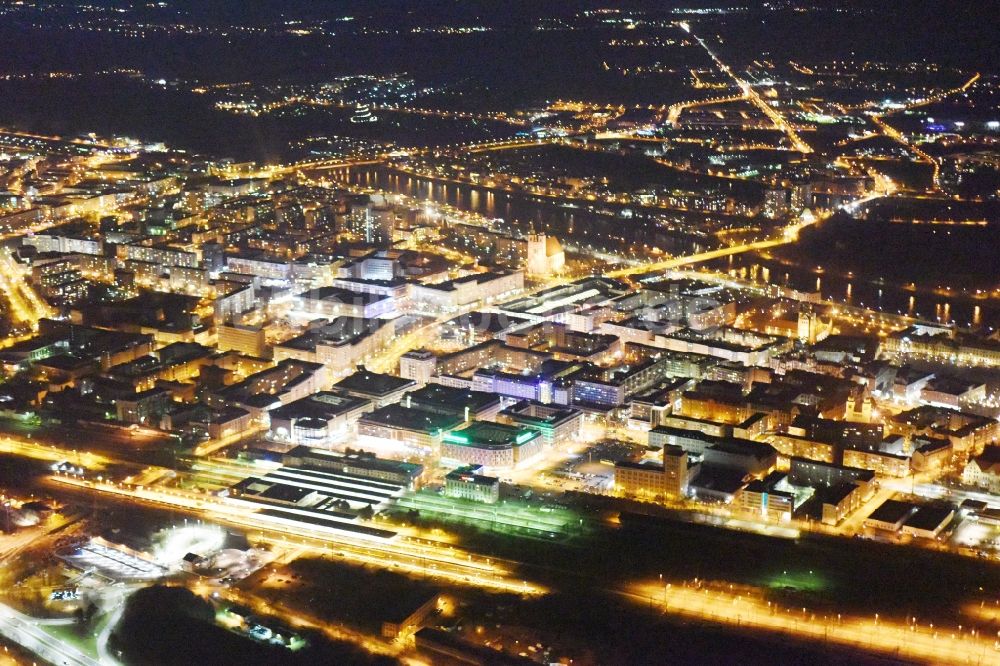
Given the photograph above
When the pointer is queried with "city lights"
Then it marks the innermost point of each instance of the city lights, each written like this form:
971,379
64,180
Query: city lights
463,332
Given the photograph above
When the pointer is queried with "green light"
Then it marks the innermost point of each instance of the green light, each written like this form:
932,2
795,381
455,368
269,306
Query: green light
456,438
524,437
798,581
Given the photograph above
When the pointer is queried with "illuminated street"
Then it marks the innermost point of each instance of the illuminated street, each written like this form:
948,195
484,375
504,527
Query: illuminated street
412,553
749,610
488,333
24,631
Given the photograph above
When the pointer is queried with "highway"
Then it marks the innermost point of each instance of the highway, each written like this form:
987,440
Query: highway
897,136
675,110
213,445
49,453
26,632
109,626
749,608
12,544
772,114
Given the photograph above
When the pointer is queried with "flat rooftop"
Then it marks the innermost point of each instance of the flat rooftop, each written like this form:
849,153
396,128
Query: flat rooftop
489,435
375,384
441,398
892,511
644,465
325,458
464,475
411,418
322,405
746,447
717,479
532,413
338,331
340,295
835,494
929,517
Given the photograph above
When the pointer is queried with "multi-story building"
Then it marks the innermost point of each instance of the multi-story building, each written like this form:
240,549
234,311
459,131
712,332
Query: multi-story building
162,256
795,446
179,361
287,381
260,265
520,387
984,471
419,365
558,426
880,462
65,244
776,202
333,302
382,389
339,344
247,340
491,445
461,292
693,441
704,426
411,431
145,407
232,299
467,483
650,480
802,472
765,499
840,500
754,458
319,420
471,405
361,465
931,453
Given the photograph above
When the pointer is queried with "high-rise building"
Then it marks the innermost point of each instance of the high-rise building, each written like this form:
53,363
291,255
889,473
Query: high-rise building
675,470
775,202
800,197
373,221
379,224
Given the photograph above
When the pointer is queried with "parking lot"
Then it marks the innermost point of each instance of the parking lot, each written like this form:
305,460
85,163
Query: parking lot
591,470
